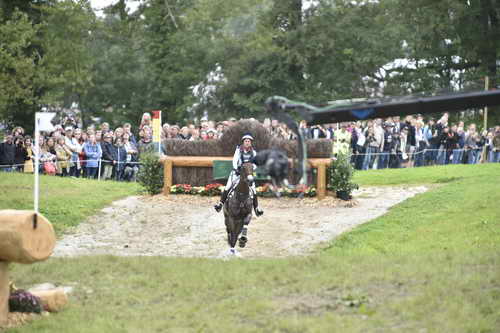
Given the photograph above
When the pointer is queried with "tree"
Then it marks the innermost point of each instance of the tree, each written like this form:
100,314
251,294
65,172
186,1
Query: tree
119,92
453,44
67,61
252,54
17,68
175,57
226,57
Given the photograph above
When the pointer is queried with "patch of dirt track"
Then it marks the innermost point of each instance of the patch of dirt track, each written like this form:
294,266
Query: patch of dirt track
188,226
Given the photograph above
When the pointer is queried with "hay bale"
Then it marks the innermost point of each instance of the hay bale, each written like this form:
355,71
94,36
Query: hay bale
232,137
192,148
226,145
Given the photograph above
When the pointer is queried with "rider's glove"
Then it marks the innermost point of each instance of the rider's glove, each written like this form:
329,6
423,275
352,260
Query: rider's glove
237,172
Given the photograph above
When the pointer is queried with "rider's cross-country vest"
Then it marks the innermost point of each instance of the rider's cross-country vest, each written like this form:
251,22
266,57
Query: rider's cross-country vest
246,156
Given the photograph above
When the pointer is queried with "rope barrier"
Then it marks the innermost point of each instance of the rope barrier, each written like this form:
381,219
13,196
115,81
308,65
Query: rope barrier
417,152
68,161
100,161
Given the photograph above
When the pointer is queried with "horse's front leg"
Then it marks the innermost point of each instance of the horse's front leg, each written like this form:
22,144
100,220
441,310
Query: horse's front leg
244,231
275,188
229,226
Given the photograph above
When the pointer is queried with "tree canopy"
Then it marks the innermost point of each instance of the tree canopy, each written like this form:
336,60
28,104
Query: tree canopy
225,57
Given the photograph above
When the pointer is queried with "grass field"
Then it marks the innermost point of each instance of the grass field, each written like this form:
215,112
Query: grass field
432,264
64,201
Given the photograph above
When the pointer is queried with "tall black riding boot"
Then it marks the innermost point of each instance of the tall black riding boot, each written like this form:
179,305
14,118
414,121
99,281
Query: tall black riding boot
223,198
258,211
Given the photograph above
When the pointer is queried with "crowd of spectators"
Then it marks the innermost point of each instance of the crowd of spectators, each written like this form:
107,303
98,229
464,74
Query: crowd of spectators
413,142
105,153
96,152
380,143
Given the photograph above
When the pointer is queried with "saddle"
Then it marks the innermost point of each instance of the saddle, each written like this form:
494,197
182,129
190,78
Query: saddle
230,192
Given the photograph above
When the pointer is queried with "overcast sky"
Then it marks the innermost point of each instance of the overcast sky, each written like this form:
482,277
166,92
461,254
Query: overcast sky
98,5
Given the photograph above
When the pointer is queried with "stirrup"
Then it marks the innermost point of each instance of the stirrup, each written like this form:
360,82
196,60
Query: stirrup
218,207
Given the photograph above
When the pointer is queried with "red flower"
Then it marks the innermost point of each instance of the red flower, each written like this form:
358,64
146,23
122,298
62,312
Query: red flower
186,187
212,186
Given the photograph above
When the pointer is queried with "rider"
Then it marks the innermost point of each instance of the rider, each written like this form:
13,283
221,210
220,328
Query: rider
243,154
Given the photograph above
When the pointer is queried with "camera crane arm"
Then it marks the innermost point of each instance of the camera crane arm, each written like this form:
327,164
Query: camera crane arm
362,109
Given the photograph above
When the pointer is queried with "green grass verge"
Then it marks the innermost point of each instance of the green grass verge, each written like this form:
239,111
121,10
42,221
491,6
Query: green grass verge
432,264
427,175
64,201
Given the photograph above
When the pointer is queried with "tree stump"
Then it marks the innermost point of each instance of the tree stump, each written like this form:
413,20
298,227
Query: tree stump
25,237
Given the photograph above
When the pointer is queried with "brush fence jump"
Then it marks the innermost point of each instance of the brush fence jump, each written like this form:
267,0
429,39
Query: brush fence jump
321,164
25,237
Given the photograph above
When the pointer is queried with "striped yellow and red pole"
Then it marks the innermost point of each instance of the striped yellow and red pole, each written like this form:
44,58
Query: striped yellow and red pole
157,129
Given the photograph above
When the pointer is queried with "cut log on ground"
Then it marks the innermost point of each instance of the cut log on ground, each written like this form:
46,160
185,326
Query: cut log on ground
52,300
24,238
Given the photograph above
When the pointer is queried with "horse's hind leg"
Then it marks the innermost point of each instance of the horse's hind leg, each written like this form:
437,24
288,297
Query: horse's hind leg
229,229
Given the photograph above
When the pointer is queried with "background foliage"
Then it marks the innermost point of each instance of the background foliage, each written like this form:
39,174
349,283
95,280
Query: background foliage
225,57
150,175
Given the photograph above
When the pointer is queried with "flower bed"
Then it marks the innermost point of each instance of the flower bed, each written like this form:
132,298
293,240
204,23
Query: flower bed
262,191
209,190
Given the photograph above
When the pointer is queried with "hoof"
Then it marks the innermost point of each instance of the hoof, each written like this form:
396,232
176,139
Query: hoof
234,253
243,241
218,207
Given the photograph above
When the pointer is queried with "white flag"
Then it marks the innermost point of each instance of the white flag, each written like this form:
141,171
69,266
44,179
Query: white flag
43,121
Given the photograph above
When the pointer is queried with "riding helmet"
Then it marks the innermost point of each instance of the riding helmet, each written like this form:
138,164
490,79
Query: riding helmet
247,136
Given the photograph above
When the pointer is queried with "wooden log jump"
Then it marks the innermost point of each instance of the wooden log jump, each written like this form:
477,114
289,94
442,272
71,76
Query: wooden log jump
25,237
207,162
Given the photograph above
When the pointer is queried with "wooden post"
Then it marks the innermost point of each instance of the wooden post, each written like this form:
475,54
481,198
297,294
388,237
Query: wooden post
321,181
167,176
25,237
4,292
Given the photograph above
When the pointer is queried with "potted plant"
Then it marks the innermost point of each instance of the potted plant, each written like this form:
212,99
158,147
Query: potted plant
341,172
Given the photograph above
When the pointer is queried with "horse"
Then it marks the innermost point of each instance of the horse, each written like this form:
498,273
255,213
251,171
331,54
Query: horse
238,209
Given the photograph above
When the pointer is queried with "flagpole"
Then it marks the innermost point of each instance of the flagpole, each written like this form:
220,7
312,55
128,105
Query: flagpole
37,163
42,123
157,129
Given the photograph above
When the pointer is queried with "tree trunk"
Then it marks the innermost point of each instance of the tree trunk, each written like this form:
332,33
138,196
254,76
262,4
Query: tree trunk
491,33
23,242
488,49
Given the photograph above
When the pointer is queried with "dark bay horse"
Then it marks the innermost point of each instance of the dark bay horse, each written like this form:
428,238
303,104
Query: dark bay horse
238,208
